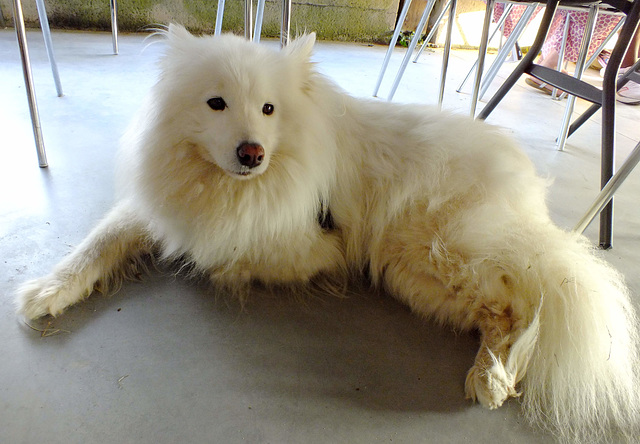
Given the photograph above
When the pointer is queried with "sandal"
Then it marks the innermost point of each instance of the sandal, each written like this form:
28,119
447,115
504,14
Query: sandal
542,87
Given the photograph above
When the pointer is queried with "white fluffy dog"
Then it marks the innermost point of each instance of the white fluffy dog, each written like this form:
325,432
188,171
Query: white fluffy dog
239,148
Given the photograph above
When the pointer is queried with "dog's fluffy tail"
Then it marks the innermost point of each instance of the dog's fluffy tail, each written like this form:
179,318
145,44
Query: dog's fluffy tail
581,381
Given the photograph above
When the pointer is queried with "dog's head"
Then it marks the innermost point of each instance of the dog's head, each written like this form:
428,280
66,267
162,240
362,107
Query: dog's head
229,97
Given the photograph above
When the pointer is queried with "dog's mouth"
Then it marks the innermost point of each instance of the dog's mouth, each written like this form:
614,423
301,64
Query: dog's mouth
243,173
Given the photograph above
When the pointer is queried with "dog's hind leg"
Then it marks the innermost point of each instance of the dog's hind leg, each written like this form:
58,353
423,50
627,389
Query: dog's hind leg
110,252
505,350
467,293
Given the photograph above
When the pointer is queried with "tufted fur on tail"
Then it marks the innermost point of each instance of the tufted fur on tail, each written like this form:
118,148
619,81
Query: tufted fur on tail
580,380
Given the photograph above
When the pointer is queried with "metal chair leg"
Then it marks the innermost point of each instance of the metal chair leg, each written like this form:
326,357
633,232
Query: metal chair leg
525,63
609,189
257,30
447,51
28,81
286,23
600,48
563,48
219,15
501,21
411,48
608,118
433,31
392,44
580,66
113,6
48,44
248,19
482,53
504,51
596,106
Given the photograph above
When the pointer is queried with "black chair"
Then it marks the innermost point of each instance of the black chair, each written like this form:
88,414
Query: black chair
605,195
601,98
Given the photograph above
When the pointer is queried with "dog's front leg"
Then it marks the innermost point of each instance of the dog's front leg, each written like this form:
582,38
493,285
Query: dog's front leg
99,260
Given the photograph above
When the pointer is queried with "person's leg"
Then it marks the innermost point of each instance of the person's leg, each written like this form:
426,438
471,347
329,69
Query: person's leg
632,54
577,25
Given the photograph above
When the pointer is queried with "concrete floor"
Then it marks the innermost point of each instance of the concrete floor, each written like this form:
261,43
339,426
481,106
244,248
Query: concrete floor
164,361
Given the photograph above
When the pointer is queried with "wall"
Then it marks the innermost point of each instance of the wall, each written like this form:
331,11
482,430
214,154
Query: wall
355,20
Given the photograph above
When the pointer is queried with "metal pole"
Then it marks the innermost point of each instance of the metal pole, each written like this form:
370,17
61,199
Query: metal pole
433,30
609,189
28,81
286,23
219,15
114,24
248,19
392,44
48,44
482,53
504,51
447,51
257,30
412,45
580,67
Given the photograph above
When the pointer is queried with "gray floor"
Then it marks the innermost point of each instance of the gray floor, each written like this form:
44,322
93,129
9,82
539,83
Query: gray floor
164,361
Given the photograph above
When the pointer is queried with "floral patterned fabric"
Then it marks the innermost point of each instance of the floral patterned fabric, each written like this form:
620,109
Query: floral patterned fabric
578,22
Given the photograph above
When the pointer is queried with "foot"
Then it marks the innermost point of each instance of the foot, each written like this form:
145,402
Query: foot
45,296
629,93
542,87
491,387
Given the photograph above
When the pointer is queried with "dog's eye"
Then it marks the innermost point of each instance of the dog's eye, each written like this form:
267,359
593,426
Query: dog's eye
217,103
267,109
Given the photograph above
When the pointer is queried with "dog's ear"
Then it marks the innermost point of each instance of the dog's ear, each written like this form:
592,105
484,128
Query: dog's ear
298,53
301,48
178,33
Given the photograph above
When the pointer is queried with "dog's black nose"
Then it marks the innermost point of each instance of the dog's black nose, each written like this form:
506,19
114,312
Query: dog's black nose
250,154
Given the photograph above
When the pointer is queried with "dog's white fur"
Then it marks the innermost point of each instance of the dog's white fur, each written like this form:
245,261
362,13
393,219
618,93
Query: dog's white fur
444,212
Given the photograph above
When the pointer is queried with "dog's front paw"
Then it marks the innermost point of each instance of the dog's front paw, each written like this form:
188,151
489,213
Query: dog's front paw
44,296
490,386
